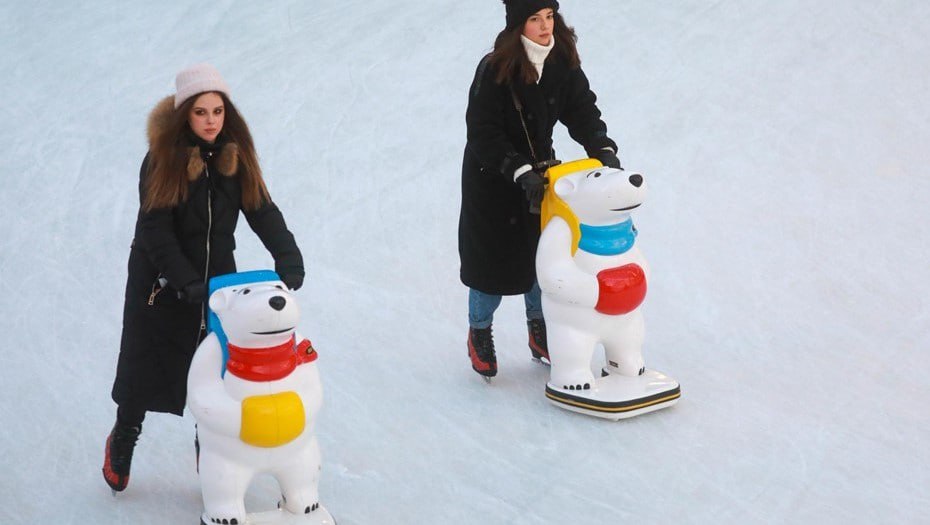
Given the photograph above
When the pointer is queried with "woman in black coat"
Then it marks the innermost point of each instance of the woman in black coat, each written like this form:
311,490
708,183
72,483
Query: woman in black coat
530,81
200,171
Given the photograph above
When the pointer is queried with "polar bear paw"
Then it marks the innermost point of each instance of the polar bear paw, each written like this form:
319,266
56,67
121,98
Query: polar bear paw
610,369
225,521
572,379
307,509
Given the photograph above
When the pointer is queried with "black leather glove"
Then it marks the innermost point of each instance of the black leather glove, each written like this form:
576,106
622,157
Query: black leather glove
608,158
534,184
193,292
293,280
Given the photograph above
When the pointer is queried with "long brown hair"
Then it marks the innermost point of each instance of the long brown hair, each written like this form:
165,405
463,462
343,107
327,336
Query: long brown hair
169,153
509,58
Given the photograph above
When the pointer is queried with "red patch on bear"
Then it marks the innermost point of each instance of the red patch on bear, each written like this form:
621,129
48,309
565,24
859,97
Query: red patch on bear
622,289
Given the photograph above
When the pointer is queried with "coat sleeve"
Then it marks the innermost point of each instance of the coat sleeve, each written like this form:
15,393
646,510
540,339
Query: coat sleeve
158,239
484,120
582,117
268,224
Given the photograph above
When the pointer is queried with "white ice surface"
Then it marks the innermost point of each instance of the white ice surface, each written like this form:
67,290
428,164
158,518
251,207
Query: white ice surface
787,146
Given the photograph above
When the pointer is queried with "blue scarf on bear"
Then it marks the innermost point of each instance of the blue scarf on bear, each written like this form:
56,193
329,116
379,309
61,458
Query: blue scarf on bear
608,240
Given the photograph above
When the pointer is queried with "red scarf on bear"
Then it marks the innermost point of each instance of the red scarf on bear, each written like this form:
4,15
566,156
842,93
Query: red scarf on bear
269,363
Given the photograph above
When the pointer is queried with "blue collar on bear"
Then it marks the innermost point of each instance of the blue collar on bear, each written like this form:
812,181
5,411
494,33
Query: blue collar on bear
608,240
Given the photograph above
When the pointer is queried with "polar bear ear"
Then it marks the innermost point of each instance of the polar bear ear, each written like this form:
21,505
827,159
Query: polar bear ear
564,186
219,299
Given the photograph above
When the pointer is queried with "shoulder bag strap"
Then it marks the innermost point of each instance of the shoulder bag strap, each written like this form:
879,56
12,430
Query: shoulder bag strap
519,108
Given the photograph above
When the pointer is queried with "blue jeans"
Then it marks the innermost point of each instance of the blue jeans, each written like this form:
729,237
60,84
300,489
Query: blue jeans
481,306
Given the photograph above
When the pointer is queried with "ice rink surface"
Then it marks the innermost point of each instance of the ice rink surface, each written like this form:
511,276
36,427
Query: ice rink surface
788,230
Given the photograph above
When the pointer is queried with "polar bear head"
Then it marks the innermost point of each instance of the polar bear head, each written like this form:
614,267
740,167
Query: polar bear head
601,196
256,315
584,191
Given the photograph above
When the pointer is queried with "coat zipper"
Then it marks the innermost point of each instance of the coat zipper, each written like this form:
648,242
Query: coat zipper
206,268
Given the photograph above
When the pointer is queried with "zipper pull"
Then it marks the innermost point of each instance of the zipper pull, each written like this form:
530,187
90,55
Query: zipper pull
157,287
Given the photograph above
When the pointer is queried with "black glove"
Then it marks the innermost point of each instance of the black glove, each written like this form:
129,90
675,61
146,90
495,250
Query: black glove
608,158
193,292
293,280
534,184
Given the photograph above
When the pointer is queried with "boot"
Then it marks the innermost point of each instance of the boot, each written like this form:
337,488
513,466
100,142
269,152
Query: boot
537,339
120,445
481,351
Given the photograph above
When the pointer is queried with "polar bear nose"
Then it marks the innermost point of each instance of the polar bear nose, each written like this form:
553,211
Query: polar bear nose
636,180
277,302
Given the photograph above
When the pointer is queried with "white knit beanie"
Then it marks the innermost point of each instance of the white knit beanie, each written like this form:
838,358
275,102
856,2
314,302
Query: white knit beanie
198,79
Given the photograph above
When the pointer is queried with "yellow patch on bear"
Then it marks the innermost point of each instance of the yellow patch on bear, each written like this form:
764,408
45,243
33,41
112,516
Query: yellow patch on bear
272,420
554,206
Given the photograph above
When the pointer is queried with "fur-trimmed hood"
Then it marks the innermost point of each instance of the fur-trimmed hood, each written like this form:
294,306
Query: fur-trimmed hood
227,163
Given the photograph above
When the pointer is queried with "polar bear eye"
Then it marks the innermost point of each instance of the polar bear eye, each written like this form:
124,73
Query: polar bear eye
596,174
246,291
279,287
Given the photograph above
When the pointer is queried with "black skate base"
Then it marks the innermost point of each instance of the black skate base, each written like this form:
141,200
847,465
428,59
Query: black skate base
618,397
282,517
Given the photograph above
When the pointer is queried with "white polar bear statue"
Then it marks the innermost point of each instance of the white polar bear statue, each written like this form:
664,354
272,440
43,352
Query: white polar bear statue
594,278
255,391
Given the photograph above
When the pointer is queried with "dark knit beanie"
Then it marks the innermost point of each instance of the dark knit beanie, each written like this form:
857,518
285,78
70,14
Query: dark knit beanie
519,10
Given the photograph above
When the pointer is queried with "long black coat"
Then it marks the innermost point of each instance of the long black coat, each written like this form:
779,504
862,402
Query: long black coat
497,234
161,332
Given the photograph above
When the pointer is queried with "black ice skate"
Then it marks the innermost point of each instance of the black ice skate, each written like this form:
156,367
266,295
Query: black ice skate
120,444
481,352
537,340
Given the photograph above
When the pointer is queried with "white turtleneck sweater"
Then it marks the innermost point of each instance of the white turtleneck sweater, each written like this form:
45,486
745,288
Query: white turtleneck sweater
537,53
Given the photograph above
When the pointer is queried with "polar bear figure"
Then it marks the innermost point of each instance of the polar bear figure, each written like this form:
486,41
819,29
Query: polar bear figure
594,279
257,414
592,274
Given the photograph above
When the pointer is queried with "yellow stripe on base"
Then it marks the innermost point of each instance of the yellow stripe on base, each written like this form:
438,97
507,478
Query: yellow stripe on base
615,410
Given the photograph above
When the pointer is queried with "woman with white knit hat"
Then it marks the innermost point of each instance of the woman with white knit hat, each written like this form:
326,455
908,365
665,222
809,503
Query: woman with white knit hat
531,80
201,170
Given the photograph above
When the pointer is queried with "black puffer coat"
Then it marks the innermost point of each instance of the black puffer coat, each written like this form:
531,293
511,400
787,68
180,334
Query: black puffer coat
192,241
497,234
